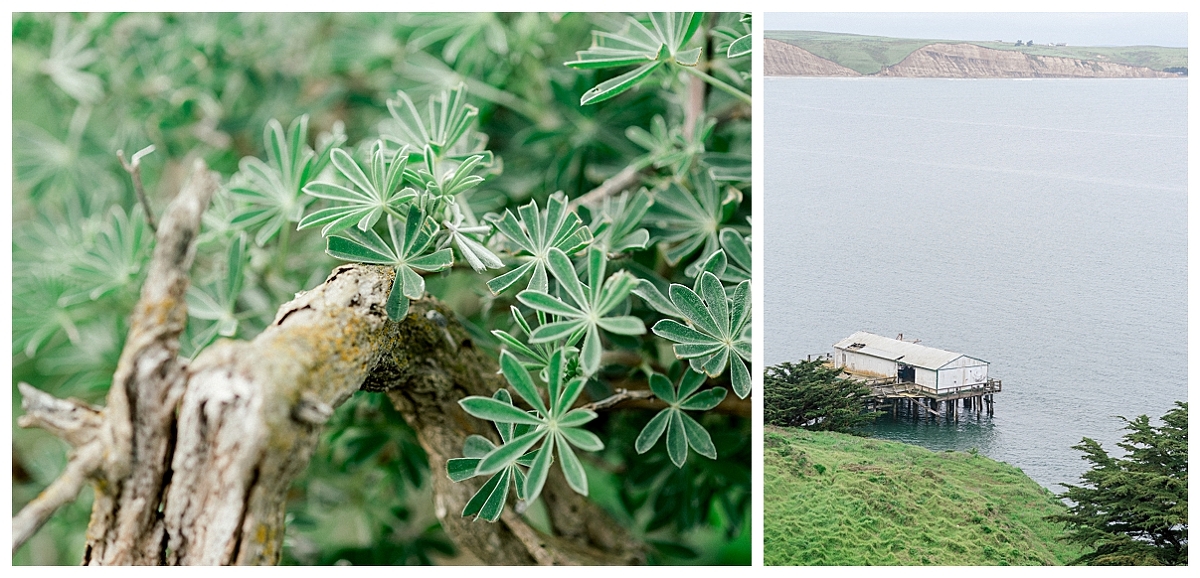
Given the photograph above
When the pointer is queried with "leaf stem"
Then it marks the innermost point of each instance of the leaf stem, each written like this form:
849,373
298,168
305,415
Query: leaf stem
721,84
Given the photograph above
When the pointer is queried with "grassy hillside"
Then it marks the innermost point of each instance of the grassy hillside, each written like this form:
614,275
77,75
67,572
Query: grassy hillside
835,499
869,54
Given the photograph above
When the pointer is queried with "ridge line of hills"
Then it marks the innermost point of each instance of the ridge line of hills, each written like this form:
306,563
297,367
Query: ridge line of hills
804,53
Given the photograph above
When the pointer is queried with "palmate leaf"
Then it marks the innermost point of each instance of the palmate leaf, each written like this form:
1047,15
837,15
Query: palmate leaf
534,235
372,192
743,44
534,356
667,148
552,423
682,431
473,251
488,502
615,226
271,191
409,252
69,55
684,222
218,302
591,304
731,168
732,262
448,119
717,332
637,44
117,256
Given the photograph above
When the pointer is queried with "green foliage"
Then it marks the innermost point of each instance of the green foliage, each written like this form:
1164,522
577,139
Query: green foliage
552,423
815,396
717,331
831,499
682,431
409,252
592,304
1133,510
534,236
489,501
452,148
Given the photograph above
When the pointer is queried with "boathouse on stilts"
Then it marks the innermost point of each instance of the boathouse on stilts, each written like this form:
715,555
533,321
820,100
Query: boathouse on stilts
918,378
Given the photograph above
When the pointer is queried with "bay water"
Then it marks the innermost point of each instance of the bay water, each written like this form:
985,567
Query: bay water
1037,224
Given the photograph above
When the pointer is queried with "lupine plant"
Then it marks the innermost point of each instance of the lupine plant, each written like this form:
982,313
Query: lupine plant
549,176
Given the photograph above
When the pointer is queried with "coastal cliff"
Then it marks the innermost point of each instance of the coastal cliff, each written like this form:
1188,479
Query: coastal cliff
971,61
803,53
783,59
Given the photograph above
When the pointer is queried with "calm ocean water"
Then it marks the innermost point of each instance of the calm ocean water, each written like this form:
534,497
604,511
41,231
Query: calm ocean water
1038,224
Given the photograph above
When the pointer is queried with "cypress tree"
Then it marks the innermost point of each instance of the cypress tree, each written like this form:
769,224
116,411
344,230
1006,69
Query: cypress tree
1133,510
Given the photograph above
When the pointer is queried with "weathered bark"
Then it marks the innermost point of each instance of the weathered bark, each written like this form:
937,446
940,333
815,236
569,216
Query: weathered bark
191,463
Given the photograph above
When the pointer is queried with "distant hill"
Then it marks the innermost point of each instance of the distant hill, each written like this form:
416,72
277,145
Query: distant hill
877,55
834,499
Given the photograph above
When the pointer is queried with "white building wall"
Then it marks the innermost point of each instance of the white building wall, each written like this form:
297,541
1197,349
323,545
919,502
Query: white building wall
952,377
926,377
864,364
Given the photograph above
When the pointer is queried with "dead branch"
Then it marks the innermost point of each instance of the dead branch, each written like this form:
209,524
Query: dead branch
621,395
134,168
613,185
61,491
71,420
147,384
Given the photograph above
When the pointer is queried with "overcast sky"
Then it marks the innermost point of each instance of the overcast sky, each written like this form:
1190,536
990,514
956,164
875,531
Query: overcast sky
1074,28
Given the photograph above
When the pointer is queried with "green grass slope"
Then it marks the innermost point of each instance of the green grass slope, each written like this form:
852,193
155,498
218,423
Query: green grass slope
869,54
836,499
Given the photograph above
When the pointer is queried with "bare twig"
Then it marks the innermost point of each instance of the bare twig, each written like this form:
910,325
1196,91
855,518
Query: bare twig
528,538
632,394
620,396
615,184
134,168
71,420
61,491
693,110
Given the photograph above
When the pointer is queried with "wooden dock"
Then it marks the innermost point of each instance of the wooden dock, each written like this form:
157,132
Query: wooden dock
889,394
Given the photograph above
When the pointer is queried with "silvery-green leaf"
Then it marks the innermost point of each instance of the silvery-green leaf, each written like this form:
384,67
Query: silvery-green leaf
576,417
460,469
662,389
677,439
475,504
741,47
647,291
536,478
572,469
582,439
704,400
477,446
508,453
740,377
521,382
622,325
615,86
653,430
496,410
697,437
689,383
550,304
397,302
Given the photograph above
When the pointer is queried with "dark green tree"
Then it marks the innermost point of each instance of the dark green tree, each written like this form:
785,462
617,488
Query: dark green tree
814,396
1133,509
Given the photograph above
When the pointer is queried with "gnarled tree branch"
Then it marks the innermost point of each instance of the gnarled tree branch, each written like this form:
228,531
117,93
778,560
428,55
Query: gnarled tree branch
192,462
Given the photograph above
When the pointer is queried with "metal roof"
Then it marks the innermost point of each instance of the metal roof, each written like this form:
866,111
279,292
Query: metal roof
895,350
